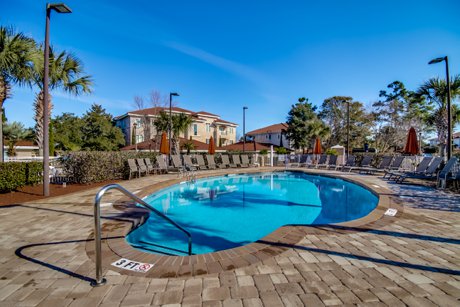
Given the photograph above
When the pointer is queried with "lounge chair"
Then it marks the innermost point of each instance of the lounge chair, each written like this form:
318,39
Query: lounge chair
245,161
133,169
188,164
161,165
237,161
322,160
177,162
332,163
142,167
365,162
445,172
149,165
226,161
430,173
200,160
421,167
211,162
349,163
384,164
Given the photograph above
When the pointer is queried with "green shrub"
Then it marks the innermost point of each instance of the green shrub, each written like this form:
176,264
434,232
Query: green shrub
96,166
281,150
14,175
332,152
263,151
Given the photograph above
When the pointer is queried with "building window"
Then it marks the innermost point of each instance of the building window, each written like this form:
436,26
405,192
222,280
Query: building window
139,138
195,129
137,121
208,127
207,141
278,136
269,136
266,136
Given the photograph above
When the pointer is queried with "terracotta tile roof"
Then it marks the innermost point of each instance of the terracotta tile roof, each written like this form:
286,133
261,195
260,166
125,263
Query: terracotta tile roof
249,146
156,110
150,144
25,143
224,122
206,113
269,129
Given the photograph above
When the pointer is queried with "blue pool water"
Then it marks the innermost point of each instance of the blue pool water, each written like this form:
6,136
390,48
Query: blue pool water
229,211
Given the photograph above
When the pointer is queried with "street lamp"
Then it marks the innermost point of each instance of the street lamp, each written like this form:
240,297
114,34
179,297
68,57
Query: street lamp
449,109
244,127
60,8
348,127
170,123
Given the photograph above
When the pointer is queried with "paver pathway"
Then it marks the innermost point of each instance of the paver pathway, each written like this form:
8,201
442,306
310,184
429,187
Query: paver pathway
412,259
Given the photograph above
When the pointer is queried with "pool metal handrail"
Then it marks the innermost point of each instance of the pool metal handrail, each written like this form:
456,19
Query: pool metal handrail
97,226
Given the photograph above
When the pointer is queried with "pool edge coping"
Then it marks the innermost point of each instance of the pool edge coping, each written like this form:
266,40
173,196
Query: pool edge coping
115,246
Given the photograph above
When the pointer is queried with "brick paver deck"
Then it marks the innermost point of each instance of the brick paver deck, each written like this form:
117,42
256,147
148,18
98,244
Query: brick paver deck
411,259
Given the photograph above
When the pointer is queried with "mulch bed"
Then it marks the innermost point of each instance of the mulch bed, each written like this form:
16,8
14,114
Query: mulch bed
30,193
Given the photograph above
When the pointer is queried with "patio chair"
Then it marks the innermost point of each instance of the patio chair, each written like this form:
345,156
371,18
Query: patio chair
211,162
329,161
226,162
237,161
149,165
421,167
245,161
349,163
445,172
332,163
306,161
365,162
161,165
133,169
430,173
200,161
188,164
177,163
384,164
142,167
322,160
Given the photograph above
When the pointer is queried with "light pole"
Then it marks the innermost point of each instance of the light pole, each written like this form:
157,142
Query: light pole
135,135
60,8
170,123
449,109
244,127
348,128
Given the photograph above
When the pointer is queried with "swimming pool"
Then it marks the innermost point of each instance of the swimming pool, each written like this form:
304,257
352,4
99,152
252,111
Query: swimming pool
229,211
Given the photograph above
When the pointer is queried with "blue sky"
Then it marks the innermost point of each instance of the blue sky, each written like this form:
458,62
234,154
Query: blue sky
221,56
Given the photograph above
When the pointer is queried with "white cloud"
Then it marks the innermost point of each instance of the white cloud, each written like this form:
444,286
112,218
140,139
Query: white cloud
238,69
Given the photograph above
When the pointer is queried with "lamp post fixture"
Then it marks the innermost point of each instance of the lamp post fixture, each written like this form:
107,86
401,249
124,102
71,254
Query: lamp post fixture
348,128
60,8
244,127
135,135
449,108
170,123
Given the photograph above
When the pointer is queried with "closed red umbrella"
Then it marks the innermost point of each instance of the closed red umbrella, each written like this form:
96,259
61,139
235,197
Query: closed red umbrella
164,146
411,147
317,148
212,146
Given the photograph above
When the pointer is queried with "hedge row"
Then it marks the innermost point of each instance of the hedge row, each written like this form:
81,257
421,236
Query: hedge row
14,175
96,166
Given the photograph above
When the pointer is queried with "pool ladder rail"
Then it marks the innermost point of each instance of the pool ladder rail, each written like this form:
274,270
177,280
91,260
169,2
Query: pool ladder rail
189,172
100,280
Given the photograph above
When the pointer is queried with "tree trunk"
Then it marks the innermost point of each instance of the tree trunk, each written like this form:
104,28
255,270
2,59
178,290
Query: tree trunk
38,105
5,90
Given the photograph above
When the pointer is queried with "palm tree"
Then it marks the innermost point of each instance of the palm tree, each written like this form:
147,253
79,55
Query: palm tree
15,67
435,93
317,128
65,72
180,124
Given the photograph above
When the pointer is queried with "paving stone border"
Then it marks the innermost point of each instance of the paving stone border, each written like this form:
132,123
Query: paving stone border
115,246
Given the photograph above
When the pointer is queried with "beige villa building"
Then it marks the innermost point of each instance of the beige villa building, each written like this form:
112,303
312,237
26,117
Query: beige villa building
204,125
